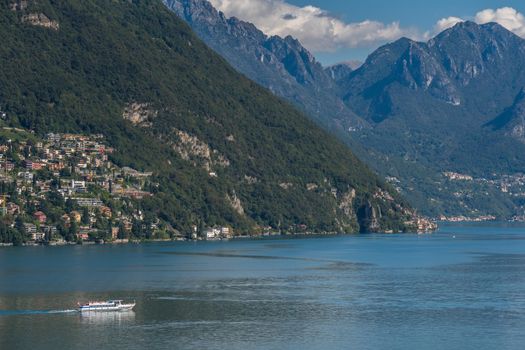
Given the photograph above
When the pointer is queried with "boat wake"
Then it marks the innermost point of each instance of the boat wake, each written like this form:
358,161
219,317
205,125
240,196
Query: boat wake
61,311
35,312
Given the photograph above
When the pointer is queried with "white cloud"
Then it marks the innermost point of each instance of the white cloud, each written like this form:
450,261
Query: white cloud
446,23
317,29
506,16
320,31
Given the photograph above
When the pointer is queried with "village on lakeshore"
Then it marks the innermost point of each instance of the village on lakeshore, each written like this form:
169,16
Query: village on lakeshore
64,189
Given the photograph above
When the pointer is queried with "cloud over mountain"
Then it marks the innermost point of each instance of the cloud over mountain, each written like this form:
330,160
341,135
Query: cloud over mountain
446,23
508,17
321,31
317,29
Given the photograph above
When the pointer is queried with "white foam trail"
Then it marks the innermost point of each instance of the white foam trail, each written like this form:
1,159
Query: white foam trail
60,311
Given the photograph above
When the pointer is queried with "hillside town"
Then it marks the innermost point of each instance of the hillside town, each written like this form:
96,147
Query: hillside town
465,187
511,184
65,189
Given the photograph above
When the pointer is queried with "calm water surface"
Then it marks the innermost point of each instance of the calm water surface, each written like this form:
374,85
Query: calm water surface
461,288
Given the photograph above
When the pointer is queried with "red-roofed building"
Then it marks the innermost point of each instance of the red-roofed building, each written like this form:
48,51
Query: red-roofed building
30,165
83,236
40,216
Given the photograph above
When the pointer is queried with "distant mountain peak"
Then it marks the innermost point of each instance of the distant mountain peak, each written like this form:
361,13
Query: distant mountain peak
466,24
457,58
191,8
342,70
473,28
351,64
476,33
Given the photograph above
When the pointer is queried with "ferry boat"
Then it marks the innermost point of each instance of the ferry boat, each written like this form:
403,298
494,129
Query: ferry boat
109,305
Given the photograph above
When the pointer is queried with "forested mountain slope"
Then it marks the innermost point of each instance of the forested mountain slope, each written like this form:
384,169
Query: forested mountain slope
223,150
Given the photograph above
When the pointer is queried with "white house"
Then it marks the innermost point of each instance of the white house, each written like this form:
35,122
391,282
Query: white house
212,233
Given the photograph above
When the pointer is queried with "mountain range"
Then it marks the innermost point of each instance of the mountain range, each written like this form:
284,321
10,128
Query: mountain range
414,111
222,149
282,65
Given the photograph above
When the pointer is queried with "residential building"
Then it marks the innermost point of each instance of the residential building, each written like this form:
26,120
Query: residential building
38,236
88,202
30,228
212,233
13,208
75,216
40,217
84,236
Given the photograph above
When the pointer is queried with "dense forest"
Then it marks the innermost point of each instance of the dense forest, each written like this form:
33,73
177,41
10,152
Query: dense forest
223,150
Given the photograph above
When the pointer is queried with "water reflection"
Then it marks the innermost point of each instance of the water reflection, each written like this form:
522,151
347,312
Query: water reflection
107,318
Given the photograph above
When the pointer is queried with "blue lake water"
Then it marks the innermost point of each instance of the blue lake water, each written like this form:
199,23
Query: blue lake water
460,288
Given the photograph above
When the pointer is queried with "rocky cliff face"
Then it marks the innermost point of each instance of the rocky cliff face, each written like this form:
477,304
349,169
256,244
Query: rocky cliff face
340,71
35,18
461,67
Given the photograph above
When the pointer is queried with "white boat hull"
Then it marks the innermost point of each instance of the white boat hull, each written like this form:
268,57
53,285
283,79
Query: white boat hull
103,308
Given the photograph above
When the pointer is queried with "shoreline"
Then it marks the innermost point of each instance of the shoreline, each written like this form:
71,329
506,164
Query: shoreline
235,238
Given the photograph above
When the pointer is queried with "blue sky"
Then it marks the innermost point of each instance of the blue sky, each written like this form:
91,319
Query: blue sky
410,12
335,30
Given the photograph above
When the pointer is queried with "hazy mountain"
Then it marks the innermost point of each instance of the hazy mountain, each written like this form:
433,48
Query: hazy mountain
469,66
512,120
429,107
341,71
428,104
224,151
282,65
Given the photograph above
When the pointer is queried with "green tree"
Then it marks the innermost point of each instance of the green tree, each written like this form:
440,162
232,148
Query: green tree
136,229
72,232
70,205
85,216
55,198
122,233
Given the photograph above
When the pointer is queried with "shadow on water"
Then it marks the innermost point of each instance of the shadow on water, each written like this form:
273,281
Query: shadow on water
221,254
341,266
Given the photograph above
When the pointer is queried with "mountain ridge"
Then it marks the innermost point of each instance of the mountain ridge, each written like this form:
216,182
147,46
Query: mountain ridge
422,111
282,65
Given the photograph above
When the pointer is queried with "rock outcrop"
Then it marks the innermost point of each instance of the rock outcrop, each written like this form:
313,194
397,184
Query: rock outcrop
192,149
140,114
40,20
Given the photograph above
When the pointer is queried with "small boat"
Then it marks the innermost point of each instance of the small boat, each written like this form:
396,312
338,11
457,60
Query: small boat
109,305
